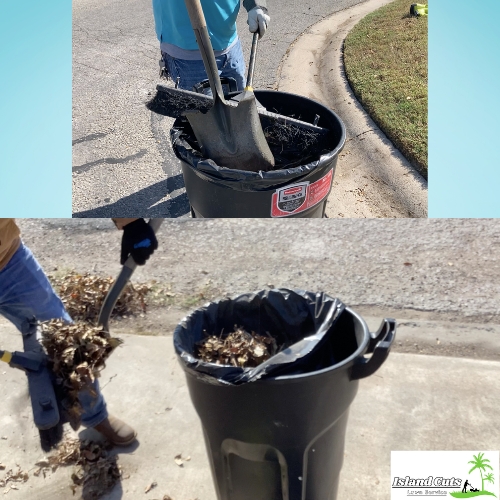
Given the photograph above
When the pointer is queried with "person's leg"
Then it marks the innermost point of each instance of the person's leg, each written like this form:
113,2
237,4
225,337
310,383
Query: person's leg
190,73
187,73
94,406
234,66
26,294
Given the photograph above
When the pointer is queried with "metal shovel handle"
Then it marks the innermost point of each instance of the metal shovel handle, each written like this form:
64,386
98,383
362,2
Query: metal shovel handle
121,281
380,345
199,26
251,63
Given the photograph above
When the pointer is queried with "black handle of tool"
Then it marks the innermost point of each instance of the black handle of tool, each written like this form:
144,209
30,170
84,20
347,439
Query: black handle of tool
120,282
32,361
251,63
199,26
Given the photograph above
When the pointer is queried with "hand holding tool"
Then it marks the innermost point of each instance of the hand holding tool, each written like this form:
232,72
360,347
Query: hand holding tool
258,21
117,288
138,241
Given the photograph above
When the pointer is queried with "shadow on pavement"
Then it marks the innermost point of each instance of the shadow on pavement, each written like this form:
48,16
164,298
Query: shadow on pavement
144,203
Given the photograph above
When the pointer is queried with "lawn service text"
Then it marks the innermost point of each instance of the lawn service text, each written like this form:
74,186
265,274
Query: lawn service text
408,481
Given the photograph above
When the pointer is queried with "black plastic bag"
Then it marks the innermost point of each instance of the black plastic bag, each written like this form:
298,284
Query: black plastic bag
301,323
243,180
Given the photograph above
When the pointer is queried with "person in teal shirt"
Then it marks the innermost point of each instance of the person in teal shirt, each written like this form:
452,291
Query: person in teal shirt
181,59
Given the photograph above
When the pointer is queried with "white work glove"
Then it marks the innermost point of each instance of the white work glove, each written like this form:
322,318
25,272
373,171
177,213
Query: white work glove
258,20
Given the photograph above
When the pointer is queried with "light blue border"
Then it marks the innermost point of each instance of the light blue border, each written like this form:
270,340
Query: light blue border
464,108
35,108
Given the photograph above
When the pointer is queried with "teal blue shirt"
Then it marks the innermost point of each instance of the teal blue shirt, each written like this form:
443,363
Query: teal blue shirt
173,27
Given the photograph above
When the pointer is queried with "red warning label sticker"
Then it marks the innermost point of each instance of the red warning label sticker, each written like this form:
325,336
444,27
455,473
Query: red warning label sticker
296,198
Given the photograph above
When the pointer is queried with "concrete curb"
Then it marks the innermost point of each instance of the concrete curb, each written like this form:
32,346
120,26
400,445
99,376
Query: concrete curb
373,179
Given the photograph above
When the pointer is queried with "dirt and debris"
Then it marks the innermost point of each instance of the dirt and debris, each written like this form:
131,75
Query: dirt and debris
11,479
83,295
95,470
154,484
238,348
180,461
292,145
77,353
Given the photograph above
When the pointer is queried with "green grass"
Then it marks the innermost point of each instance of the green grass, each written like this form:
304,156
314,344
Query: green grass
470,494
385,57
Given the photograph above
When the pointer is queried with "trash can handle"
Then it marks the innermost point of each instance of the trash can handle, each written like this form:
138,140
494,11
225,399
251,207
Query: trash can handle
380,345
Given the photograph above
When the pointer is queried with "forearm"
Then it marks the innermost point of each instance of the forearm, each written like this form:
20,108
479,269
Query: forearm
121,223
250,4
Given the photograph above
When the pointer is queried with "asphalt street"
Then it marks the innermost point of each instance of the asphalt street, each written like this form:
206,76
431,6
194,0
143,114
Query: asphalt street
445,266
122,160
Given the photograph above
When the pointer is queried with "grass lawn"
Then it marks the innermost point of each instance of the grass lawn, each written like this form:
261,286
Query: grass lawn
470,494
385,58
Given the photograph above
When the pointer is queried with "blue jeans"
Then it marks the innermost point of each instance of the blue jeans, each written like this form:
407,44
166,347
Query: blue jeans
26,293
190,73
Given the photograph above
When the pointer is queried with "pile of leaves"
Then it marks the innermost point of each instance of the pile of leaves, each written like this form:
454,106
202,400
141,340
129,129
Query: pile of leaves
239,348
11,478
95,470
77,353
83,295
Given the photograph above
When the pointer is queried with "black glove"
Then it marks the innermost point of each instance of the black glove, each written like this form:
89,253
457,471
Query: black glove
138,240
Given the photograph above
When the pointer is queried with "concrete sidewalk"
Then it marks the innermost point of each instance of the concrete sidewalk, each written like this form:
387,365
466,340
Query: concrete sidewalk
372,179
414,402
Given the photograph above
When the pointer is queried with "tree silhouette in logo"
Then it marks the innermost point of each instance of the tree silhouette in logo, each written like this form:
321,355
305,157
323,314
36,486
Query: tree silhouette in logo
489,478
480,463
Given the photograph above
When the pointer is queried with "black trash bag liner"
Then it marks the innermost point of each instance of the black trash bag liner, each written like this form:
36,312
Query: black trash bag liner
241,180
303,322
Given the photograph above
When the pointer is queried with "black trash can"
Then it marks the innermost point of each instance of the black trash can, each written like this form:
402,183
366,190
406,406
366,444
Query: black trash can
297,191
280,437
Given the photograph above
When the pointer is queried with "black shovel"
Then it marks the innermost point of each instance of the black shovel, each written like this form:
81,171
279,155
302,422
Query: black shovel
120,283
230,133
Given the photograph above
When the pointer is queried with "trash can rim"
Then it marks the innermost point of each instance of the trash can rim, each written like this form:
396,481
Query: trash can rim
333,153
358,352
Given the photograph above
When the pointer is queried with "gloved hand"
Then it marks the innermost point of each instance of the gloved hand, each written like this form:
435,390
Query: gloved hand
258,20
138,240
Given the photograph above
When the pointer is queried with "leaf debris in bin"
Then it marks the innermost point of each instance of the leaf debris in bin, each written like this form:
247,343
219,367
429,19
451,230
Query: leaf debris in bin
77,353
239,348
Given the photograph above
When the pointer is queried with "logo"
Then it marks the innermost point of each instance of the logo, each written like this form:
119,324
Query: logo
296,198
292,197
457,474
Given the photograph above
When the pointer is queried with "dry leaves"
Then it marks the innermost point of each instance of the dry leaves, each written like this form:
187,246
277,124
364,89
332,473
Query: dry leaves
11,478
180,461
95,470
239,348
154,484
83,295
77,353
